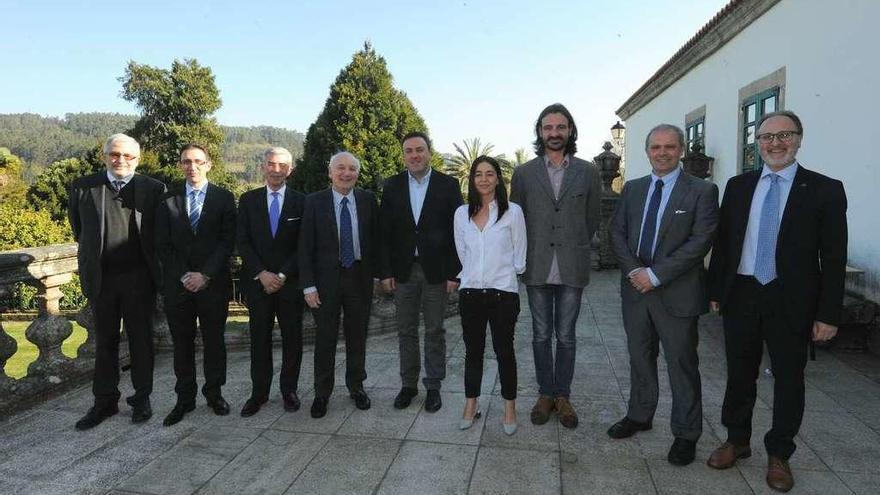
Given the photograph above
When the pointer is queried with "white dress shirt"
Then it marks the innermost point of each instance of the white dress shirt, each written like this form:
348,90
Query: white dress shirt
491,258
750,242
201,194
417,192
352,210
125,180
280,192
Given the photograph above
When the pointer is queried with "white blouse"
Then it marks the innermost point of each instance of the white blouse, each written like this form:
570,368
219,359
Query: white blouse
491,258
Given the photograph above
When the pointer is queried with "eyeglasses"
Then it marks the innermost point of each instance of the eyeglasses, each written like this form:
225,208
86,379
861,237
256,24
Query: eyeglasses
783,137
193,163
115,155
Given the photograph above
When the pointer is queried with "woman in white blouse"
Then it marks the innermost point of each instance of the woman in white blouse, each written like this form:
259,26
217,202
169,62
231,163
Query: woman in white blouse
490,237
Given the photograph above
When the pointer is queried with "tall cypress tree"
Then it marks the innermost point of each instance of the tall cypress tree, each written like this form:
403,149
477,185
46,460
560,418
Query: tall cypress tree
364,115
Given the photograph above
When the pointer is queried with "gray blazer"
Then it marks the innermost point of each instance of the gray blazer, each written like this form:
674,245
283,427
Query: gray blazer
564,226
687,230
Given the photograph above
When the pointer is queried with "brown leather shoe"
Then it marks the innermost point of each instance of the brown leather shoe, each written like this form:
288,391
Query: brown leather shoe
567,416
541,411
779,475
725,456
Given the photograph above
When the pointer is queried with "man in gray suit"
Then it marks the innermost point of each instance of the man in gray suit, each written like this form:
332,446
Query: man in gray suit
662,229
559,196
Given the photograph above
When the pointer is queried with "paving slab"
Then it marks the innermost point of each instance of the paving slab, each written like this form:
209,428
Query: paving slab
347,465
429,468
515,472
805,482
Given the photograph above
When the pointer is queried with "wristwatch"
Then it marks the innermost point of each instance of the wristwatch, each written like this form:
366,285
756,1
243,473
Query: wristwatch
282,276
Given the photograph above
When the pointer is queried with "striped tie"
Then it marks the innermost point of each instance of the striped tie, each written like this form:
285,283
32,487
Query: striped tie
195,209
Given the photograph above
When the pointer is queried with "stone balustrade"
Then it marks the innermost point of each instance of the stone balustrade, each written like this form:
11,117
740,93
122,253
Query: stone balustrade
48,268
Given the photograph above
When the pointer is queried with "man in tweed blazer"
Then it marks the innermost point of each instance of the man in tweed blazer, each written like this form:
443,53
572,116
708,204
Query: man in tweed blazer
559,195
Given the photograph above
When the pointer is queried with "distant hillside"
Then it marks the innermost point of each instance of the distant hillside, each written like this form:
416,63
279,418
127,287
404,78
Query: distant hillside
40,141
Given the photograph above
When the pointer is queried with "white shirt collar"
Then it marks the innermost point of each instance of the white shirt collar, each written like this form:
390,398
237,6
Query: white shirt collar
337,196
190,188
787,173
280,191
667,179
424,180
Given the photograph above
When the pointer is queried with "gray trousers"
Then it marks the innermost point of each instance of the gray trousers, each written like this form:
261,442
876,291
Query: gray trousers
412,297
647,324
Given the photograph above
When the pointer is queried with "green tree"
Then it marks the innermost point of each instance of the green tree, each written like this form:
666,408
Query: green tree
50,191
177,108
12,187
24,227
365,115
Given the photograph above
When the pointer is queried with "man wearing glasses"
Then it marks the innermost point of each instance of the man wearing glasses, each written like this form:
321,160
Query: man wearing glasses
777,276
195,236
112,216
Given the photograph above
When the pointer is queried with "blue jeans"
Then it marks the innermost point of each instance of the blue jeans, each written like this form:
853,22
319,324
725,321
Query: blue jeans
555,310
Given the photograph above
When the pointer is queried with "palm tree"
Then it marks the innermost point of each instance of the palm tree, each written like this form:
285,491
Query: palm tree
459,165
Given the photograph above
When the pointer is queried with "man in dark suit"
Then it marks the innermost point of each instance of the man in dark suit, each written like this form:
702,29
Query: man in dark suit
419,264
268,231
777,276
112,215
663,227
559,196
195,236
337,260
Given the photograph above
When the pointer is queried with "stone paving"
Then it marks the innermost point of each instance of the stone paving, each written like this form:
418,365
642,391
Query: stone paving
386,451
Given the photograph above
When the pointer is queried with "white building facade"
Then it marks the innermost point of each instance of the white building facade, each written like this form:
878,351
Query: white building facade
818,58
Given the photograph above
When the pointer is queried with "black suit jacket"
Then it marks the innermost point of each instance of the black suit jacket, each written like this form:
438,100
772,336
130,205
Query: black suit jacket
207,251
258,249
85,210
810,249
433,234
319,241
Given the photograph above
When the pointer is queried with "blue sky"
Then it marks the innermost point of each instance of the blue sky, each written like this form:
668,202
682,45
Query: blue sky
472,68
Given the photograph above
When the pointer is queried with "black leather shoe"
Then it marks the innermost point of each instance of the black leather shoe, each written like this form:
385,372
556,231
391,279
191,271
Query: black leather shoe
219,406
96,416
252,406
291,402
626,428
141,412
319,407
682,452
131,400
361,400
177,414
404,397
432,401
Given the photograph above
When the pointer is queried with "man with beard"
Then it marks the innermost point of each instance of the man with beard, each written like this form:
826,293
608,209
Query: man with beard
559,195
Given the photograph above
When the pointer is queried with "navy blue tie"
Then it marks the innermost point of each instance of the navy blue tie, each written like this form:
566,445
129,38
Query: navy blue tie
346,238
649,227
274,213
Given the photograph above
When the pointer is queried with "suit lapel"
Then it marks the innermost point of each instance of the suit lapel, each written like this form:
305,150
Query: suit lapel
139,200
99,193
363,219
544,178
569,177
799,191
330,216
745,204
679,192
640,193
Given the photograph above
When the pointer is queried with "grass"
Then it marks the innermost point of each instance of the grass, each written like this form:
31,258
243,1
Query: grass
17,365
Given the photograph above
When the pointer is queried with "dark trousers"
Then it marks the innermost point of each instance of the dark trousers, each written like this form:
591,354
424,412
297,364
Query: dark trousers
648,324
353,301
410,298
211,307
753,315
287,306
500,310
131,297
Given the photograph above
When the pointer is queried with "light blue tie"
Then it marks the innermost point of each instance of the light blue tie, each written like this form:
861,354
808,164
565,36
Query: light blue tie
195,208
765,259
274,213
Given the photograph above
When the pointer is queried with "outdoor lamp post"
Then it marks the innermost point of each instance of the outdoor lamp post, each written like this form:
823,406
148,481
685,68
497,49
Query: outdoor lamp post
696,162
618,131
608,164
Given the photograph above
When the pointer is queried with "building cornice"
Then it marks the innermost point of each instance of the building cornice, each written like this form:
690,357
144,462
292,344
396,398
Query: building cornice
724,26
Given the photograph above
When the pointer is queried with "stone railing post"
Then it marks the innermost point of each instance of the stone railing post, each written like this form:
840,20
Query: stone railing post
609,165
47,268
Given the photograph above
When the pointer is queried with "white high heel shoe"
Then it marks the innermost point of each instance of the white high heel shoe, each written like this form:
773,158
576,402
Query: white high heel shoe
467,423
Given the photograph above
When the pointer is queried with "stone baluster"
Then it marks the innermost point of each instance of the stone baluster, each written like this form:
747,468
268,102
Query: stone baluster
49,330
